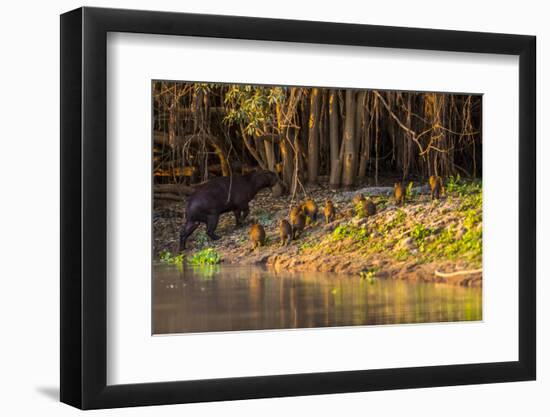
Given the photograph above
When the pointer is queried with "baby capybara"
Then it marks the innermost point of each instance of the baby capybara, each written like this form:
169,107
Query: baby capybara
436,186
329,211
358,203
358,199
285,232
297,221
257,235
309,208
398,193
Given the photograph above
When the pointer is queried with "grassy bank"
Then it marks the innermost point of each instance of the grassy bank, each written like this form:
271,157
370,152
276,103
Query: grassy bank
426,240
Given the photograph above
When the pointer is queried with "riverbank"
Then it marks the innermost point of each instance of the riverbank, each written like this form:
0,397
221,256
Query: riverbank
425,241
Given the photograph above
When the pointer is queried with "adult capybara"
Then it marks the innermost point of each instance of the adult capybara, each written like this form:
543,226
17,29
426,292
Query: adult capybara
398,193
285,232
257,235
309,208
297,221
329,211
436,186
221,195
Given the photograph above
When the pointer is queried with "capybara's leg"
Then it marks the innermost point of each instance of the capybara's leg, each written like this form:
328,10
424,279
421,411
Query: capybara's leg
211,224
187,230
238,221
244,213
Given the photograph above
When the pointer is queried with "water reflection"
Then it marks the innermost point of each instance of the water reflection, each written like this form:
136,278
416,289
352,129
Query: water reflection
222,298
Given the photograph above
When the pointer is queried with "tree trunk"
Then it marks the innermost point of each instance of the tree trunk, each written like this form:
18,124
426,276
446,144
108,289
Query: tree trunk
277,190
335,162
313,137
287,160
172,125
251,149
361,135
359,113
214,142
349,167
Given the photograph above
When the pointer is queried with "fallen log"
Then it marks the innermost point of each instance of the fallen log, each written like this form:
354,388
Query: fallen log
167,196
176,189
376,191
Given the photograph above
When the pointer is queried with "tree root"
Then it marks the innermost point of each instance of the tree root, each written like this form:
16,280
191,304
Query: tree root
457,273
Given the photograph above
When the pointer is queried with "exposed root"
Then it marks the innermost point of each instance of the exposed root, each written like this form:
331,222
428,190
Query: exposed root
457,273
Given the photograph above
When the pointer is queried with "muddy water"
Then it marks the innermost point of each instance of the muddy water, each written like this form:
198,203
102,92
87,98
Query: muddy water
224,298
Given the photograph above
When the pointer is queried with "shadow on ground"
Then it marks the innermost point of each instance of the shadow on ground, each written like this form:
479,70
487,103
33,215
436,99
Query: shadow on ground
50,392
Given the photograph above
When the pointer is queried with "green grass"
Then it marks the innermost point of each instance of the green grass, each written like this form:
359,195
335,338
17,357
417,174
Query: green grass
419,234
459,238
457,186
469,245
409,193
397,220
359,210
306,245
206,256
401,255
358,234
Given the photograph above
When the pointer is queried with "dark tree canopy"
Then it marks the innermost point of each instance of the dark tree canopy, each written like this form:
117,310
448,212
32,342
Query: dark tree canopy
343,136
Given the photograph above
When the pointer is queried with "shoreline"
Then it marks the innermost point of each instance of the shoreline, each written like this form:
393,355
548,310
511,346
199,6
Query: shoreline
422,241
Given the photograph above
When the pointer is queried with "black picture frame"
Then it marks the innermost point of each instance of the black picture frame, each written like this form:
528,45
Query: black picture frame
84,207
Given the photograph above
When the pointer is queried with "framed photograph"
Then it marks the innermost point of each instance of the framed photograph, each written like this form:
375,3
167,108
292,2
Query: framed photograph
257,208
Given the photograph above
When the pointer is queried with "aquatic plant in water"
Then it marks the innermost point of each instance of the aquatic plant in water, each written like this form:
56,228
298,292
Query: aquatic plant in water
167,258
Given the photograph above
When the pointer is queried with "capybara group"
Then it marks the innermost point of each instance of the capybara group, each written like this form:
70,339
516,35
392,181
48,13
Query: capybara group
222,195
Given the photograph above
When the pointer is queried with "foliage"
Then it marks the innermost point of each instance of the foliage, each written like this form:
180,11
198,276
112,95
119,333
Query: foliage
457,186
369,275
398,218
208,256
419,233
205,121
252,106
409,193
306,245
472,201
461,243
360,211
200,239
401,254
459,238
342,232
167,258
